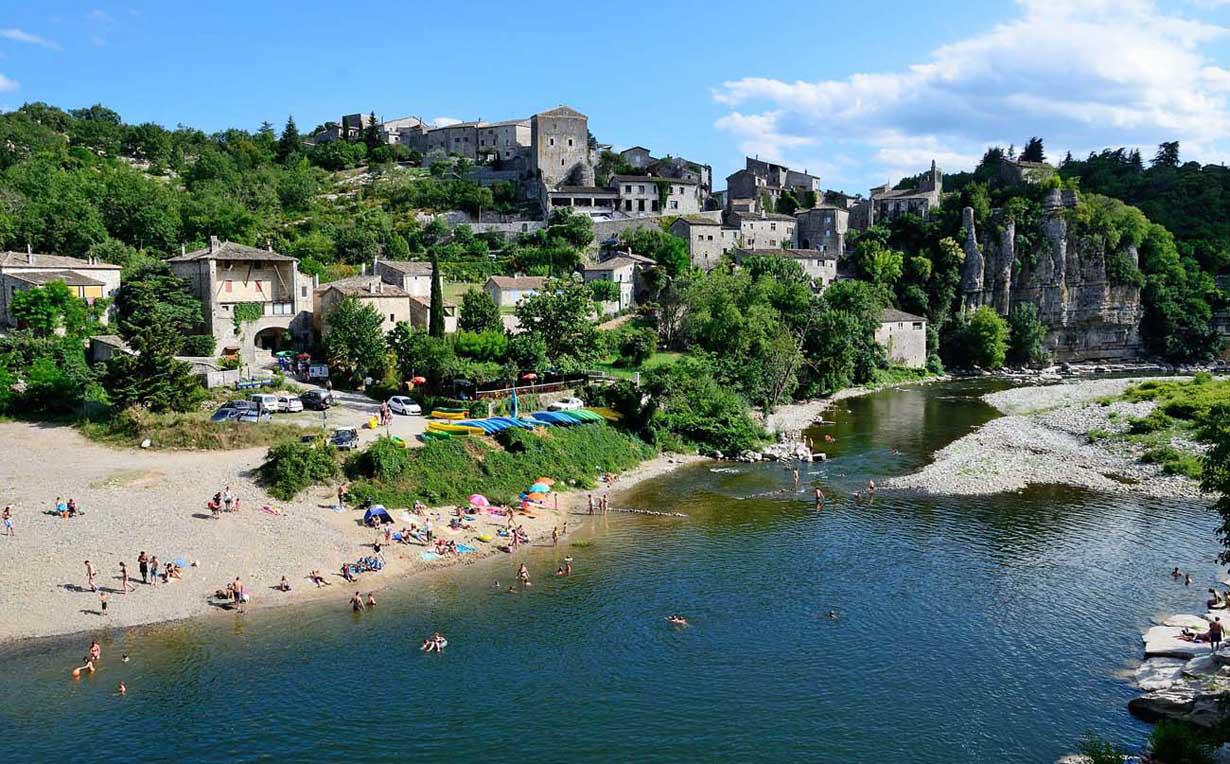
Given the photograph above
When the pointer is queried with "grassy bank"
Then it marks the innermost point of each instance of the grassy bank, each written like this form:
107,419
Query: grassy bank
447,472
1168,435
191,431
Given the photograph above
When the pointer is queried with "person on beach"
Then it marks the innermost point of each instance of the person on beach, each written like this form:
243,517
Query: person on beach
341,496
318,579
155,570
89,576
356,603
427,528
555,537
8,520
523,575
591,503
1214,602
1215,634
124,585
346,573
284,585
102,603
228,499
143,566
606,498
237,593
61,508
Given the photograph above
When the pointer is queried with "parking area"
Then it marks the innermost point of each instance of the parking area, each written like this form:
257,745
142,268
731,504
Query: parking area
356,410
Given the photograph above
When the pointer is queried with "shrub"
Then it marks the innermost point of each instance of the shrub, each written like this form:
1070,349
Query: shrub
1173,742
1099,751
291,467
1156,420
637,346
1173,461
198,345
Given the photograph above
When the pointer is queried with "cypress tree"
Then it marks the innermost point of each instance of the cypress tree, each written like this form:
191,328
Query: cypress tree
435,325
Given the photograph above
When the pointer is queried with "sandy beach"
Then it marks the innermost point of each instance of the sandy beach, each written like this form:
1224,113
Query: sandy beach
134,501
1043,439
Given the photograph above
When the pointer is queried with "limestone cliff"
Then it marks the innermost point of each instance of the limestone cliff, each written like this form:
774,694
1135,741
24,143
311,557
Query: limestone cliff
1064,276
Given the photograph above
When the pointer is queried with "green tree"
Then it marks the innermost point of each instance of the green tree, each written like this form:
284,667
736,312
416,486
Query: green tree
151,377
874,260
419,354
49,308
354,343
478,312
1215,470
151,295
666,249
435,322
977,338
1167,155
562,315
291,143
636,346
371,133
1033,151
1026,336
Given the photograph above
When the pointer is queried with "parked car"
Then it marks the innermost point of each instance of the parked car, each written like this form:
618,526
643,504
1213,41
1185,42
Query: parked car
267,401
289,403
400,404
246,411
317,400
225,414
256,415
345,438
566,404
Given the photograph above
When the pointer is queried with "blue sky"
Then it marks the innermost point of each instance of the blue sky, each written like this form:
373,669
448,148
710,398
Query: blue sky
860,93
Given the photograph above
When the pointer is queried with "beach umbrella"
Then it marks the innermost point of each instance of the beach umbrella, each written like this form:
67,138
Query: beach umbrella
535,496
529,375
418,380
478,500
539,488
545,481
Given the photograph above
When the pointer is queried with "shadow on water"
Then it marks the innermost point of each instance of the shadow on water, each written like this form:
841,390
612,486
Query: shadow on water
968,630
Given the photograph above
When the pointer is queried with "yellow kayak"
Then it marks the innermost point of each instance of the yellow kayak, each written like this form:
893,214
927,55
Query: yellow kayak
606,413
442,427
449,415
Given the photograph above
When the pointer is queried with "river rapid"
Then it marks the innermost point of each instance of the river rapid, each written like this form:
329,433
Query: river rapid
968,629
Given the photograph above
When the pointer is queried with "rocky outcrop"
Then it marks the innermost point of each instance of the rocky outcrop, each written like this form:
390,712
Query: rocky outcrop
1063,276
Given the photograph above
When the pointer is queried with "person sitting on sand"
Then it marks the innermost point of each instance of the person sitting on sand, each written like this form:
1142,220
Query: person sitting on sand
283,585
72,508
172,572
346,572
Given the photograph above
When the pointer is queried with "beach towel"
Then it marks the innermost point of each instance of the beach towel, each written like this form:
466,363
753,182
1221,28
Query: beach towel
429,556
463,549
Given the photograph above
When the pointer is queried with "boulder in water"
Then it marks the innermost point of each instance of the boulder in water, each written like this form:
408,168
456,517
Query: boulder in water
1164,642
1171,703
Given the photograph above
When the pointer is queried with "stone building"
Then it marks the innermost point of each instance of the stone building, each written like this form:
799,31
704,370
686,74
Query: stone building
621,270
596,201
763,183
395,131
707,239
420,314
640,194
504,141
412,276
637,156
823,228
820,267
1018,172
888,203
904,337
559,148
763,230
391,302
89,280
225,275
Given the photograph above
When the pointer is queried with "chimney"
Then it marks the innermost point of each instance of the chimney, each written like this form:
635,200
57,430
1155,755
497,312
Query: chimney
364,269
268,245
183,250
379,287
315,280
213,243
29,253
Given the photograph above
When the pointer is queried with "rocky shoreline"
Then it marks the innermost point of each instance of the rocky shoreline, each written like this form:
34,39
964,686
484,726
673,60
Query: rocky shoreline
1043,439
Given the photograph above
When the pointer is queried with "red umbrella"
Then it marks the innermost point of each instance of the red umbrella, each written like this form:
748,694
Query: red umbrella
418,380
529,375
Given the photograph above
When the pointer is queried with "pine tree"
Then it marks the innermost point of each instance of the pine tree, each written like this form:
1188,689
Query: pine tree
371,133
290,143
435,324
1033,151
1167,155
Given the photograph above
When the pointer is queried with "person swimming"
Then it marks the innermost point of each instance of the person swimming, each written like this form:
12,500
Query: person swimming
832,615
88,666
676,620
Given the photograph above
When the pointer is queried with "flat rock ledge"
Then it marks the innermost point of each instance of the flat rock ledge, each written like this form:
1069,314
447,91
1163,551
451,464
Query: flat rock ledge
1180,679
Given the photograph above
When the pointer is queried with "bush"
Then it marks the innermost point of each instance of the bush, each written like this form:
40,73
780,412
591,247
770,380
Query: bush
637,346
1156,421
291,467
198,345
1099,751
1173,461
1173,742
1026,336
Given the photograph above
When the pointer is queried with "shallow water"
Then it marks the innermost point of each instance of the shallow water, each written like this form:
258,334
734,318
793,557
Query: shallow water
968,630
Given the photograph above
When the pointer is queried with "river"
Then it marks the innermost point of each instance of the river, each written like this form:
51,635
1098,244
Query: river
968,630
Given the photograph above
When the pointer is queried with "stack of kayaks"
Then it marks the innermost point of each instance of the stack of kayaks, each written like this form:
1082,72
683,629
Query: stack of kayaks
440,430
449,413
605,413
567,418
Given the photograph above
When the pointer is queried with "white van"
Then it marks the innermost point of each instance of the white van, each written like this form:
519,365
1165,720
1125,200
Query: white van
267,401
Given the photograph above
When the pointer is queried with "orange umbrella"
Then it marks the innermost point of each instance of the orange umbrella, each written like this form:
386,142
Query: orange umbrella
545,481
535,496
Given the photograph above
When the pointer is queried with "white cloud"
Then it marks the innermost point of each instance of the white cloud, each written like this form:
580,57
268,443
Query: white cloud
20,35
8,85
1081,75
98,14
444,121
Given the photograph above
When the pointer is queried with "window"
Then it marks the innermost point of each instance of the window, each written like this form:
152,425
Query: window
640,205
674,204
772,226
550,141
569,141
918,325
303,291
640,189
627,189
392,319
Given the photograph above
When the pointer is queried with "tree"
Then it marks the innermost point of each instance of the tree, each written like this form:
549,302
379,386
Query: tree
478,312
371,133
666,249
637,346
435,323
561,314
977,338
1026,336
151,294
874,260
290,143
1167,154
46,309
1215,470
354,343
419,354
151,376
1033,151
603,290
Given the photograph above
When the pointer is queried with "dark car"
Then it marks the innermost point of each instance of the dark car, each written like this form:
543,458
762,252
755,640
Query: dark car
317,400
345,439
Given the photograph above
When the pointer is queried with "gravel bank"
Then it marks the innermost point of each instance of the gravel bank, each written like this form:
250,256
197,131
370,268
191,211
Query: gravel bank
137,501
1044,440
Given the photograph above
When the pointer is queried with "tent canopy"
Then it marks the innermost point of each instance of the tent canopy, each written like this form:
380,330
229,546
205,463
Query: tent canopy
377,513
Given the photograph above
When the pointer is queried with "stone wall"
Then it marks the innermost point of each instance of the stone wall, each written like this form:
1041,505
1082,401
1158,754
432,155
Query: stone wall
1064,277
